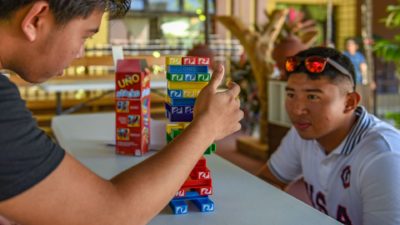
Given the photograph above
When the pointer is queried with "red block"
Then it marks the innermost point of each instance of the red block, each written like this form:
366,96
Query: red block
202,190
132,97
191,183
180,193
205,190
189,60
203,61
201,163
200,173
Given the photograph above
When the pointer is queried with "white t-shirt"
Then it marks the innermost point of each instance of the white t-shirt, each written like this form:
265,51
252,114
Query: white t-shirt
358,183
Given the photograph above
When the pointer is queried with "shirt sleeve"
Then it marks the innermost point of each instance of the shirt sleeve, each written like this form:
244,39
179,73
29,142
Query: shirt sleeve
361,57
27,154
285,162
380,190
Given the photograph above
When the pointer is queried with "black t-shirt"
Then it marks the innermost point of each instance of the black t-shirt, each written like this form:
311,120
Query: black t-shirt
27,154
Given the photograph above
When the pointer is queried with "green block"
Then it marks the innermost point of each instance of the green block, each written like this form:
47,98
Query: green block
175,133
211,149
169,137
175,77
203,77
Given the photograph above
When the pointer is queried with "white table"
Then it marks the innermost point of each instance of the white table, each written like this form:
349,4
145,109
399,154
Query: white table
59,86
239,197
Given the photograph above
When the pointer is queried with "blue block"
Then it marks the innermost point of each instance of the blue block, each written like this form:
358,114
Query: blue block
178,118
183,93
174,69
203,203
190,77
179,113
178,207
175,93
182,101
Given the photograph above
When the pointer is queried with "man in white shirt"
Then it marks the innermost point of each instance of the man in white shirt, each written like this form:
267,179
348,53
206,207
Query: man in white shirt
349,159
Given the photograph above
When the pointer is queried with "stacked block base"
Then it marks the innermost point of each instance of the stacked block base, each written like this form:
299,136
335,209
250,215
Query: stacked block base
203,203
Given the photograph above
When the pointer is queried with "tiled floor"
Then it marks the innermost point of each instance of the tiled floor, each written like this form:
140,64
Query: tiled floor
226,148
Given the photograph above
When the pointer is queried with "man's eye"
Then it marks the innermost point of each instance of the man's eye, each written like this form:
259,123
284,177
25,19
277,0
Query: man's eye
312,97
87,37
289,95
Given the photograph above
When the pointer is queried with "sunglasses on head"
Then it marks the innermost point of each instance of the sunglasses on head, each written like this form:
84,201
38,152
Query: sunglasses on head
314,64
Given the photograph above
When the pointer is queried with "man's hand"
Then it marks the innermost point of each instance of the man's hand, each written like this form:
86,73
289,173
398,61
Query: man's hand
220,111
4,221
372,85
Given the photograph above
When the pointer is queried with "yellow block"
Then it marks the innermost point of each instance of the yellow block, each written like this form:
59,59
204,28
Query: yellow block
176,126
168,100
191,93
173,60
186,85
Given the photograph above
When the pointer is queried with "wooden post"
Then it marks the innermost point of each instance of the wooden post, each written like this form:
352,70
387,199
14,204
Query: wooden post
258,46
366,32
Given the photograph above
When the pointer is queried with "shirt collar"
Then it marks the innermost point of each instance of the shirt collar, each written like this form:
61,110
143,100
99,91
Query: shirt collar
364,123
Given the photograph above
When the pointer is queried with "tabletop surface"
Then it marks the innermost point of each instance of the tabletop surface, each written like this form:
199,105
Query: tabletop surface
89,85
239,197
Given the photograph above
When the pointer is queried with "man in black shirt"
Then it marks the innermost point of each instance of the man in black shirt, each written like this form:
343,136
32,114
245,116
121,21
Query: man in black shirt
42,184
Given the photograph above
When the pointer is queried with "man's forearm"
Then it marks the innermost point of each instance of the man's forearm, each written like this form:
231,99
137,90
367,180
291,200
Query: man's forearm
364,73
157,186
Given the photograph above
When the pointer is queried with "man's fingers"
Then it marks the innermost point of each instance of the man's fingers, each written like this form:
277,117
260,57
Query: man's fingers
217,77
234,89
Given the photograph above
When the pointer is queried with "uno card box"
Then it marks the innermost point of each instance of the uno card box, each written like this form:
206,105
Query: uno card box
132,107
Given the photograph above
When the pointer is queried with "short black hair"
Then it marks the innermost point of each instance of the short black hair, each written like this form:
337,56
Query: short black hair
330,71
66,10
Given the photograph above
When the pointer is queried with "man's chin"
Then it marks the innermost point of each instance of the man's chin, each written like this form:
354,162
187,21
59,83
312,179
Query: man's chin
36,80
60,74
305,136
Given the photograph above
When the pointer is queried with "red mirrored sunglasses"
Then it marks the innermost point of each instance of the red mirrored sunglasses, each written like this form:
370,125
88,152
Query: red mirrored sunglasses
314,64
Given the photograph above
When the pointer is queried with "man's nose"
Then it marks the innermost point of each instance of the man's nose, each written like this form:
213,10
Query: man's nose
81,52
299,107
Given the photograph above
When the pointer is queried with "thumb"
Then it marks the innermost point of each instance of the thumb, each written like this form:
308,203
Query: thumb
217,77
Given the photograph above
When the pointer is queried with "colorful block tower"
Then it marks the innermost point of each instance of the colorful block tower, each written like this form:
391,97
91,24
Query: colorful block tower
132,110
186,77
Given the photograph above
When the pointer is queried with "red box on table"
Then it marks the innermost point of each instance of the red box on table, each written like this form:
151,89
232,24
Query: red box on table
132,107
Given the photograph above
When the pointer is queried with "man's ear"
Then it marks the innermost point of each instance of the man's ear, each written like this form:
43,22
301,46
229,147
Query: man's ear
352,100
34,19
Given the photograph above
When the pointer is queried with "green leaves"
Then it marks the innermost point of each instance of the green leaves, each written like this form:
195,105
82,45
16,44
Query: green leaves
393,19
395,117
390,49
